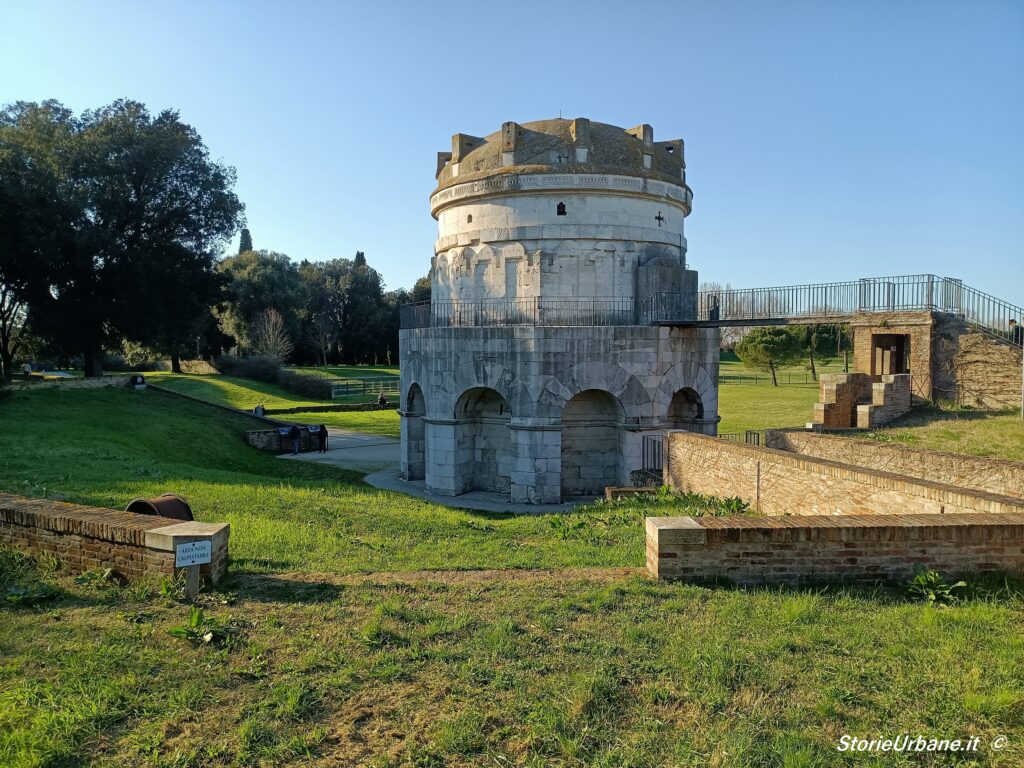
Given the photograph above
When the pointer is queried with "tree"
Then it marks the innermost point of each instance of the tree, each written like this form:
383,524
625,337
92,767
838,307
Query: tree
324,333
245,241
140,211
360,260
270,336
12,330
767,349
256,281
40,211
421,290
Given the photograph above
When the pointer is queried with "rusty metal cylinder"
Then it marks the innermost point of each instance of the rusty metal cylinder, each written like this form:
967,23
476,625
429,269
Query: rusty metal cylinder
166,505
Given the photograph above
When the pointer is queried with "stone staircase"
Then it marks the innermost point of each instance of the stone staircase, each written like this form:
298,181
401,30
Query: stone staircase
861,401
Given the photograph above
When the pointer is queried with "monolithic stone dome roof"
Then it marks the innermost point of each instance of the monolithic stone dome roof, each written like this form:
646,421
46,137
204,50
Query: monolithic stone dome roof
561,146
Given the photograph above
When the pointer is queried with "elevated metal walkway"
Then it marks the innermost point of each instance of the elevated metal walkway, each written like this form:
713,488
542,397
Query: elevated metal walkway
780,305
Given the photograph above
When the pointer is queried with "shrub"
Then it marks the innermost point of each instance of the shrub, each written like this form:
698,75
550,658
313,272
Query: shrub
259,368
315,386
929,586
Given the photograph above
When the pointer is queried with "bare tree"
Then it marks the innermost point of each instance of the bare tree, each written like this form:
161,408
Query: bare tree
270,335
324,332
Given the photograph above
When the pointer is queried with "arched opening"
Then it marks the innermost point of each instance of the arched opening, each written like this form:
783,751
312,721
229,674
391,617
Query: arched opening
686,409
591,443
483,442
414,443
560,209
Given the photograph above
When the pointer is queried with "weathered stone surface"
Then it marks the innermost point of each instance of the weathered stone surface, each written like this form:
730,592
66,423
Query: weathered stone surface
538,404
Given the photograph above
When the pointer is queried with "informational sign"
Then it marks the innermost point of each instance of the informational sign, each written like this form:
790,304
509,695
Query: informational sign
193,553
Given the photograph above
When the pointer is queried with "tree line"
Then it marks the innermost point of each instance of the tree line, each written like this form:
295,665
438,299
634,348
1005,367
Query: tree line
112,227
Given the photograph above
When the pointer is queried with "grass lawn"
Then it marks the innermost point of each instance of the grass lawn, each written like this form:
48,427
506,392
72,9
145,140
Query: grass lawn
233,391
978,433
352,371
579,668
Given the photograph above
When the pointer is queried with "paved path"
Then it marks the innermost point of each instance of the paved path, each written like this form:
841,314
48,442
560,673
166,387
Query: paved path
379,456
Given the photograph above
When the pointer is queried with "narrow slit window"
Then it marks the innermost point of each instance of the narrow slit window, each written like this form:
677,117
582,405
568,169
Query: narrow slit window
469,219
560,209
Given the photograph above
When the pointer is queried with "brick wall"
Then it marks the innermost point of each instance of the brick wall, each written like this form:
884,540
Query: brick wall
751,550
974,472
778,483
84,538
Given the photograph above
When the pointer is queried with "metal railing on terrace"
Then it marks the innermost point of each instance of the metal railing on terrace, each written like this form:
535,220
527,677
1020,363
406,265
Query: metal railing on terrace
818,302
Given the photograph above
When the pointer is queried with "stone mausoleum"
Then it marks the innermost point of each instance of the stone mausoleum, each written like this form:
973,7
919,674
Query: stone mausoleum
536,370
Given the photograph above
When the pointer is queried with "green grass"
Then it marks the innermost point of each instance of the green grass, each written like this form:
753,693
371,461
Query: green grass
352,371
762,406
112,445
232,391
978,433
578,668
561,670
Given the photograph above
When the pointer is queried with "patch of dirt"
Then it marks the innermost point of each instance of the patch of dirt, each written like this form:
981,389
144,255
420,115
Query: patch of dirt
445,577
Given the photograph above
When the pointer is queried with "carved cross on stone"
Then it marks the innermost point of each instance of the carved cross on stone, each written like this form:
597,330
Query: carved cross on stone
659,218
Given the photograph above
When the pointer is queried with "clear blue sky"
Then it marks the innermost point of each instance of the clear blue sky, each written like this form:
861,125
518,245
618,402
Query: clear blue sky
824,140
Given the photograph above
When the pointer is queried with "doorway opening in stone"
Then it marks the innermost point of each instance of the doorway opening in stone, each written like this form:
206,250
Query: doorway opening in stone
483,441
686,411
890,353
591,443
415,457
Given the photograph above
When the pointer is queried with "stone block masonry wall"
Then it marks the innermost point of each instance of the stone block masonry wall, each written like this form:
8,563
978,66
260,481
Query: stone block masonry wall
84,538
974,472
779,483
752,550
890,399
270,440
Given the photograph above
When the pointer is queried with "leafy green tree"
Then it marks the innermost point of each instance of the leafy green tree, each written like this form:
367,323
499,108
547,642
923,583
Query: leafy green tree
256,281
140,210
421,290
360,260
768,349
41,212
245,241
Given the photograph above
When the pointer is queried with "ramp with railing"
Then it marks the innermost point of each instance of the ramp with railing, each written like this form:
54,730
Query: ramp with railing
780,305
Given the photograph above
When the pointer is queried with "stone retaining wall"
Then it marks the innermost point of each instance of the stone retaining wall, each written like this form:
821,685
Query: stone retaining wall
84,538
270,440
73,383
975,472
751,550
778,483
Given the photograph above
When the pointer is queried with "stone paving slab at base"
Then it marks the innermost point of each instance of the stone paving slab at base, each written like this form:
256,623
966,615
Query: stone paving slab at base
756,550
379,455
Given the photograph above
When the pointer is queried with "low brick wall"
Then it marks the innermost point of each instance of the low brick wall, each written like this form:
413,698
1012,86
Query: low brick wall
778,483
975,472
754,550
83,538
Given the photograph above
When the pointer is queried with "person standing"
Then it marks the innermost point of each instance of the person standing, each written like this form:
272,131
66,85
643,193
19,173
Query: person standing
321,437
1016,332
295,435
382,401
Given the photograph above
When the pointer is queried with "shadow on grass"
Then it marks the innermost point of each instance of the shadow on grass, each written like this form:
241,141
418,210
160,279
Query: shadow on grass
267,588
